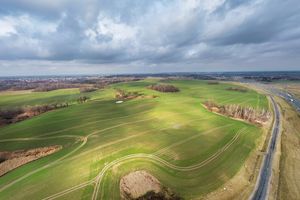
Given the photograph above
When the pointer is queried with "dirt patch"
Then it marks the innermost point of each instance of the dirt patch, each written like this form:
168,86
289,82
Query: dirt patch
141,185
138,183
12,160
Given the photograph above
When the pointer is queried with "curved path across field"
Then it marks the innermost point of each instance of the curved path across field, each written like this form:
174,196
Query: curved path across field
148,157
136,133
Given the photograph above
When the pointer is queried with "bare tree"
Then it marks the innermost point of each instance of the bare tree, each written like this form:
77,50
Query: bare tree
236,111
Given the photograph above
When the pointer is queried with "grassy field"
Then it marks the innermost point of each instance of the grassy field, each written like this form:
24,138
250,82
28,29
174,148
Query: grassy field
189,149
12,99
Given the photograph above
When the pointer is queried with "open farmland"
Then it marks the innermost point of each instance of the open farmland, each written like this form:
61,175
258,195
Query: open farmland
188,149
12,99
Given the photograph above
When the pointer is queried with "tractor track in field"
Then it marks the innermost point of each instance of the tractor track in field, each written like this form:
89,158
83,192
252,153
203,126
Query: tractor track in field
151,158
93,122
102,146
69,190
90,116
130,137
41,138
82,147
83,138
43,167
163,150
156,159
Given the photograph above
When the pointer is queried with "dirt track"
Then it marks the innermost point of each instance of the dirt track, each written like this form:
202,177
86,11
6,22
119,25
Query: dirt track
150,157
153,158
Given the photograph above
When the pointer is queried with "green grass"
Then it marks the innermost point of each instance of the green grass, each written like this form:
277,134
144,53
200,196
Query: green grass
174,126
18,99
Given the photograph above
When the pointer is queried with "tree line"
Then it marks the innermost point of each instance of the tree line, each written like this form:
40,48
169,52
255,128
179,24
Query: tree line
13,115
164,88
123,95
237,89
236,111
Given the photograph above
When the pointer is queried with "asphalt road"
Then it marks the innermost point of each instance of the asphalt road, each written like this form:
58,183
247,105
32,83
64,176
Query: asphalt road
263,183
289,98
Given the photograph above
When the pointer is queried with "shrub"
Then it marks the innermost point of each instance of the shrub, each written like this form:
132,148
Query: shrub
19,114
87,89
237,89
212,82
83,99
53,86
122,94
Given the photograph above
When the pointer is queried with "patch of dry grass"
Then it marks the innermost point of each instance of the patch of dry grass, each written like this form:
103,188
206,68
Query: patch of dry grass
12,160
289,177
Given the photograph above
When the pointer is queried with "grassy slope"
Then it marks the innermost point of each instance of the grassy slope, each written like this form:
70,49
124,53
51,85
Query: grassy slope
289,86
24,98
289,176
176,122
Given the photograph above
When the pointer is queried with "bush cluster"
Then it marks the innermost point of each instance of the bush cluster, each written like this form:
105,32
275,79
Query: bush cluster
236,111
237,89
164,88
8,116
123,95
87,89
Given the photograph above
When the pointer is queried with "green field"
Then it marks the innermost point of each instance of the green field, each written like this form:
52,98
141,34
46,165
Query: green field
21,98
189,149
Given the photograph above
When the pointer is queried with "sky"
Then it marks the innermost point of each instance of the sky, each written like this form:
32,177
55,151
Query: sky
52,37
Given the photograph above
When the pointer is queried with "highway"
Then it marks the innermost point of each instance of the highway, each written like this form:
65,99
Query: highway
289,98
263,182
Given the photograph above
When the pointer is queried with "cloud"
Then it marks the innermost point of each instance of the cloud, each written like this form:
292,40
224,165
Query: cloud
7,27
176,34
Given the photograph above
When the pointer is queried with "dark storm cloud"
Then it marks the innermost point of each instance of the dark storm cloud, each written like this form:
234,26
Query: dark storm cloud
177,34
271,19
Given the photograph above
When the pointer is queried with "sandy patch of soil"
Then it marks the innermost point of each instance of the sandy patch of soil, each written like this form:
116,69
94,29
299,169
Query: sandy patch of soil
140,185
176,126
11,160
